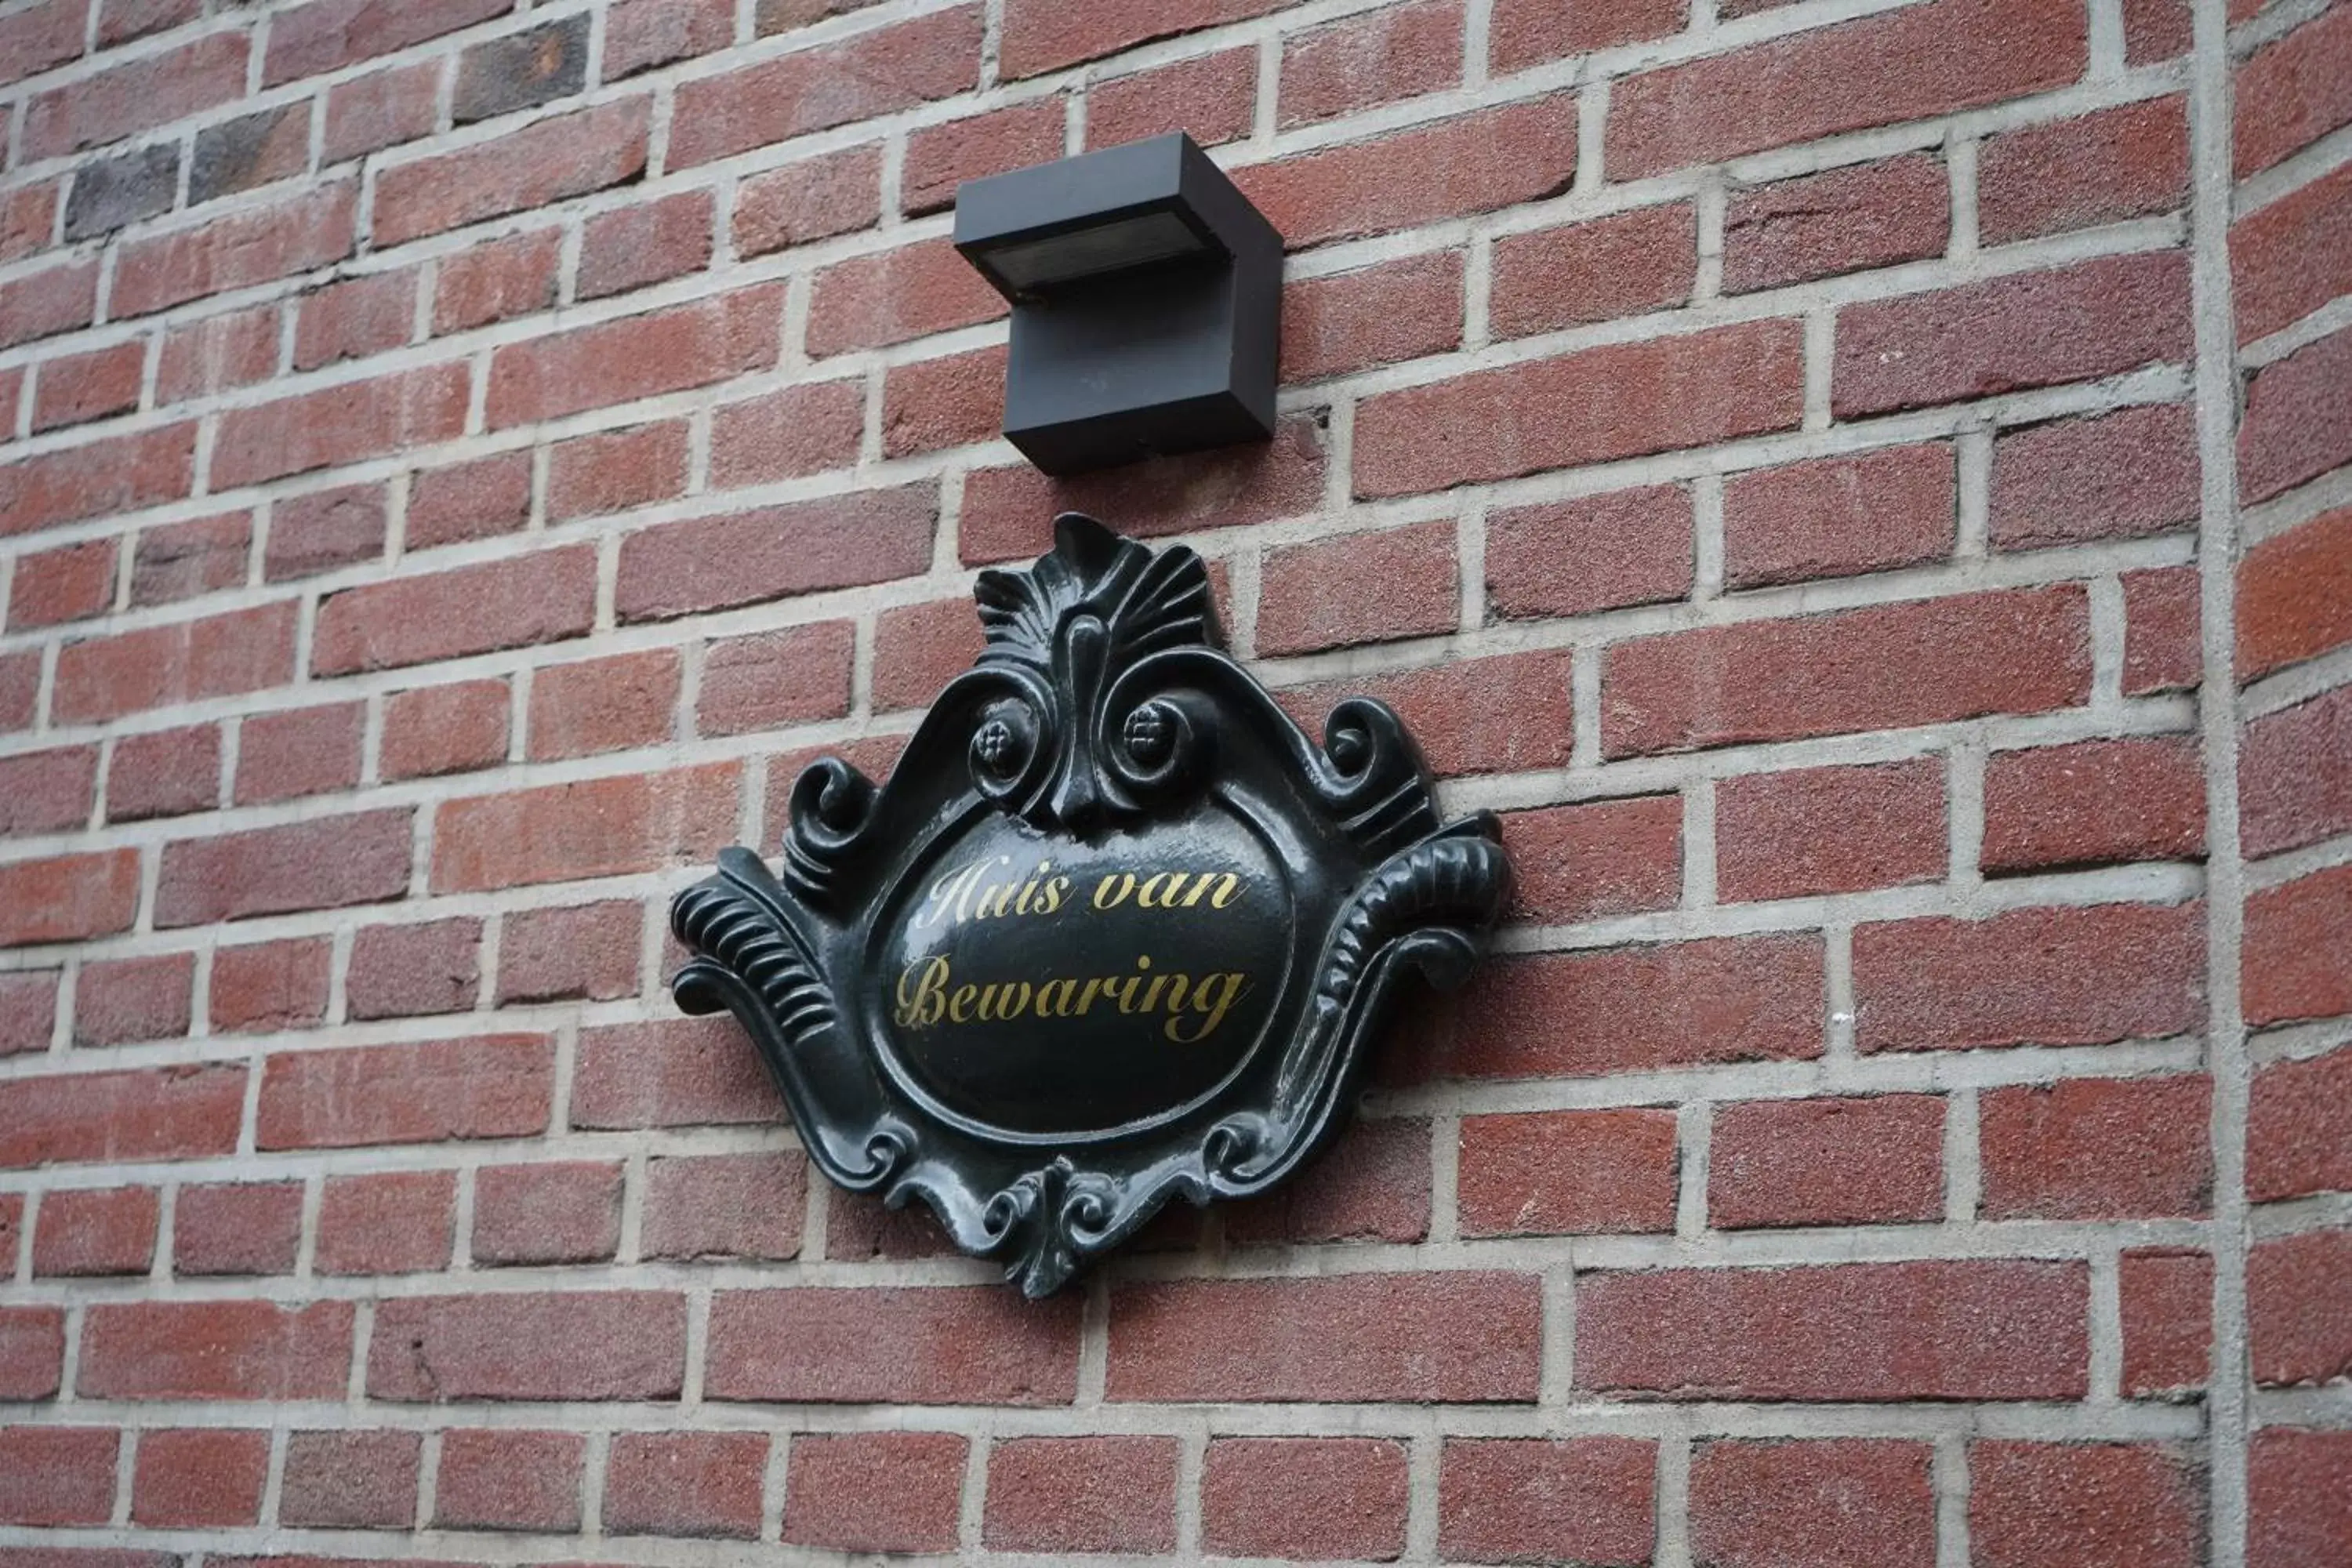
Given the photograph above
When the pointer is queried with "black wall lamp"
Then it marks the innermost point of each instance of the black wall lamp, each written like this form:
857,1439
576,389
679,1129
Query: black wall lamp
1147,297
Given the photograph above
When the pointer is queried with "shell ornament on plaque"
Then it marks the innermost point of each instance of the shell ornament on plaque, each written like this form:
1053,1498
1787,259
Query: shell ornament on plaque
1117,929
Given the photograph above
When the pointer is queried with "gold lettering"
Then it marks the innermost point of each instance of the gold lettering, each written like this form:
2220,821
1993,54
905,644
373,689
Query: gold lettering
923,1008
1229,888
1050,897
1048,1006
958,1002
1126,883
1212,1009
1149,895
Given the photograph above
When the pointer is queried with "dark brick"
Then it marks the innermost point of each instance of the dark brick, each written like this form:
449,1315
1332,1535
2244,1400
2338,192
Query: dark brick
238,154
521,70
110,193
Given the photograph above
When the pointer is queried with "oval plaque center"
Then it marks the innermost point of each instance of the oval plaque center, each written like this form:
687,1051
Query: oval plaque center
1048,986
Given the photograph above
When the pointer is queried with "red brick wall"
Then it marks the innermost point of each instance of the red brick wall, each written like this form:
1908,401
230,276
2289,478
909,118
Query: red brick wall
1864,487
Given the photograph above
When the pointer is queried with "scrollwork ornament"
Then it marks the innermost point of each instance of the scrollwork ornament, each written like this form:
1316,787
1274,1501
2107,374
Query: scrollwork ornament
1115,932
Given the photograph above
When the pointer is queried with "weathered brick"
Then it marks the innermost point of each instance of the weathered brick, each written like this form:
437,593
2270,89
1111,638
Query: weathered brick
1082,1494
415,969
2291,92
1568,1172
677,1072
1505,713
1370,58
382,109
350,1480
565,1211
48,792
40,37
342,424
497,281
587,951
1041,36
724,1206
215,1350
247,1227
514,603
2287,259
57,1475
1864,1160
642,34
29,1010
2167,1300
32,1350
109,194
1596,553
1930,661
614,471
1526,1499
2098,168
786,434
1845,1502
1374,315
164,772
607,704
637,356
233,250
1845,220
124,100
2092,803
494,1478
2296,1513
904,1345
597,827
69,898
870,73
2161,625
2295,425
1304,1498
1524,33
520,70
546,162
2083,1504
776,552
491,1086
636,246
771,679
220,352
874,1491
832,193
398,1222
120,1000
1978,1329
2298,1137
941,157
324,531
2034,977
321,864
2112,476
96,1231
1834,517
891,296
250,152
97,479
185,559
269,985
1210,98
438,730
2298,1323
573,1345
1371,1184
71,583
1596,271
1358,588
2097,1149
353,318
302,752
1592,858
74,389
199,1476
2294,595
325,35
58,298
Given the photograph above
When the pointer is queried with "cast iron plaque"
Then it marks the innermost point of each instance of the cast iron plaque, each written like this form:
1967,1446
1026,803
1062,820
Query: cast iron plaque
1115,930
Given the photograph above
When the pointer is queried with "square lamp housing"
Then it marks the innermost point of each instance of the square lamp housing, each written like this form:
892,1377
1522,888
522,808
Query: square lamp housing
1147,297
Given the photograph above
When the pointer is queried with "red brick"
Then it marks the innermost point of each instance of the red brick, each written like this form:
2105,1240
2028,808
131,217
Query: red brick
218,354
270,985
2167,1298
1840,1503
71,583
36,37
1596,553
73,389
307,751
1845,220
614,470
786,434
1593,272
121,21
602,704
952,401
1977,1330
380,109
185,559
587,951
1375,315
97,479
918,649
354,318
343,424
595,828
1503,714
326,34
575,1345
28,218
1592,858
491,1085
69,898
2112,476
2288,259
2092,802
547,161
1041,36
32,1350
121,1000
637,356
1371,58
1524,1500
424,967
497,281
1568,1172
235,250
868,74
1830,830
724,1206
58,298
1212,98
635,247
1304,1498
874,1491
1082,1494
322,863
2294,595
166,1113
438,730
1371,1184
1909,65
1882,667
2297,422
1359,588
325,530
2298,1307
558,1212
1439,1338
48,792
396,1223
514,603
477,500
1009,511
2161,651
1865,1161
2103,167
96,1231
215,1350
1524,33
2293,91
2298,1516
2035,976
776,552
773,679
832,193
1495,424
1834,517
2155,30
2293,936
1496,157
670,1073
2097,1149
2294,774
2298,1132
961,1345
253,1227
501,1480
889,296
199,1476
2007,335
57,1475
29,1004
2107,1505
152,91
940,157
350,1480
642,34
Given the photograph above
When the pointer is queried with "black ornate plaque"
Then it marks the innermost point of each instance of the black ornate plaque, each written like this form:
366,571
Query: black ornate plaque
1117,929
